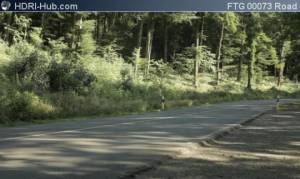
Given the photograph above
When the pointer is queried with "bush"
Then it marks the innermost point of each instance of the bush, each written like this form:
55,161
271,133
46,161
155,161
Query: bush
3,100
63,76
27,106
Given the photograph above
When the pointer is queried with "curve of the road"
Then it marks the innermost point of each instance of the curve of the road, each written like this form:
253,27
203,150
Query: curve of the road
111,147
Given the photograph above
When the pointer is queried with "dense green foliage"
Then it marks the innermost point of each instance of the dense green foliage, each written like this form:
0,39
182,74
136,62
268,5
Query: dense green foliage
55,65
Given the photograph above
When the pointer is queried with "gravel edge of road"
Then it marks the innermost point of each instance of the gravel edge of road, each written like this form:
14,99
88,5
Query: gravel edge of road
211,138
204,141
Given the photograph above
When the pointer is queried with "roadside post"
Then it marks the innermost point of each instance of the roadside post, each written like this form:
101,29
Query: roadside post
277,102
163,100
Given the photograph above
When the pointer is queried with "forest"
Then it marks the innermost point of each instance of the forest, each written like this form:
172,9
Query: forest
61,65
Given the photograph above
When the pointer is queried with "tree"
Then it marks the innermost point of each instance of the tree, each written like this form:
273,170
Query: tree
262,52
252,27
199,46
284,52
243,49
150,33
229,22
139,44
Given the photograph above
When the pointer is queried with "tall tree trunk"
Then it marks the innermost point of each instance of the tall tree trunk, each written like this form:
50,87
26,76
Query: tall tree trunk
43,24
219,53
149,46
202,30
76,31
8,35
80,26
166,40
43,20
196,63
281,66
240,64
280,75
105,24
73,40
138,50
251,63
239,74
98,28
114,18
199,43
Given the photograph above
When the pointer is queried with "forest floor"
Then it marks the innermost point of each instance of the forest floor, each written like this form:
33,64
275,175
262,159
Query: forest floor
269,147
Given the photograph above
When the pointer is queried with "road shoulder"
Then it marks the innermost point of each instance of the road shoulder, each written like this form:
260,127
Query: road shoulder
269,147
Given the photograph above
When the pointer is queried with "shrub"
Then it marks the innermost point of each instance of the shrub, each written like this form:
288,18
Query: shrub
72,104
27,106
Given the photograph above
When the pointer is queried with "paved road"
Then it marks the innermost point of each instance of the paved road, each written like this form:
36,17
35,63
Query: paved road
109,148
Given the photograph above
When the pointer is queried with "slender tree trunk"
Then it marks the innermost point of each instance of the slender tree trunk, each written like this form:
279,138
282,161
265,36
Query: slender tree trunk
239,75
251,65
199,43
240,64
166,40
105,24
196,63
281,66
280,75
73,40
149,46
98,28
43,24
113,22
219,53
202,30
80,26
139,44
76,31
8,35
249,84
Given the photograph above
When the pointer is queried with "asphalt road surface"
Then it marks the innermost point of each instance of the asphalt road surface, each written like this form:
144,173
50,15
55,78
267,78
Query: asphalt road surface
112,147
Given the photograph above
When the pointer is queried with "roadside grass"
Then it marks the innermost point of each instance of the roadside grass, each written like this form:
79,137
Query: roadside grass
110,99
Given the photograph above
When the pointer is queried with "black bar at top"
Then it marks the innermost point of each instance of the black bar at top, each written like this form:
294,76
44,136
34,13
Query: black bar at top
159,5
